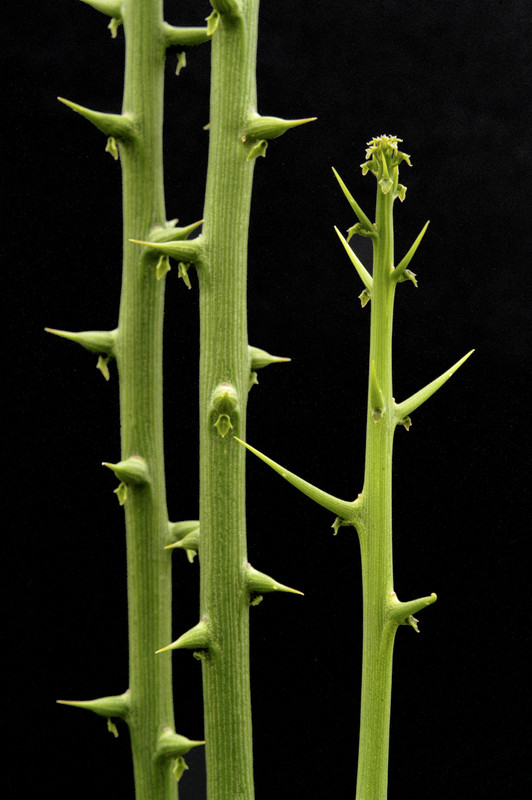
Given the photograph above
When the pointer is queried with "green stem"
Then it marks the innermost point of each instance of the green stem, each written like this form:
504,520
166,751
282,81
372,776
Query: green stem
139,358
376,533
225,360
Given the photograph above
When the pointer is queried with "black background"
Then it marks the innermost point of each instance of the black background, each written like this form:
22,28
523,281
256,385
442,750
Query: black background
451,80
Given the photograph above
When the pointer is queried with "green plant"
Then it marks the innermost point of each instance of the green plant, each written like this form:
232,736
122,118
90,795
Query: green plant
238,135
371,513
136,345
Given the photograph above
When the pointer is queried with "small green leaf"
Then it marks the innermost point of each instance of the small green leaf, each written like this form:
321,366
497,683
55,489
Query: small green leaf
111,147
102,366
255,599
114,26
257,150
121,493
359,230
212,22
407,275
163,266
223,425
339,523
401,192
364,297
182,271
181,62
200,655
180,765
413,622
386,184
111,727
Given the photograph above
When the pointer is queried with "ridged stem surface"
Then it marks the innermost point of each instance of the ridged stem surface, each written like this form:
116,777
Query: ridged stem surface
224,359
139,358
376,533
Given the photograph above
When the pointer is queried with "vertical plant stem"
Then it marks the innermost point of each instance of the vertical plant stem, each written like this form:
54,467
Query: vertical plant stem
139,358
371,512
376,533
224,360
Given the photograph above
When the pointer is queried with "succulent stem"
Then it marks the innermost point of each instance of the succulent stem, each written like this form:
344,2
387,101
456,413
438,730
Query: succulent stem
383,612
139,360
225,361
376,541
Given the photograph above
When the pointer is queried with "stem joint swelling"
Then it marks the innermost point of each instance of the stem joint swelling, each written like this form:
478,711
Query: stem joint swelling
199,639
403,613
186,251
184,536
225,409
132,471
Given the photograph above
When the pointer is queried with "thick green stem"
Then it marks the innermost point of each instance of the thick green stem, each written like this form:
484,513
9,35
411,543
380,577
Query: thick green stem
376,534
139,358
224,372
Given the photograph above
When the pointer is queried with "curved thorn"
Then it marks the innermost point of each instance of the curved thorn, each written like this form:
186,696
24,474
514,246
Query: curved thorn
405,408
260,582
132,470
112,706
362,218
341,508
403,264
364,275
259,127
188,250
101,342
116,126
402,613
172,745
260,358
197,638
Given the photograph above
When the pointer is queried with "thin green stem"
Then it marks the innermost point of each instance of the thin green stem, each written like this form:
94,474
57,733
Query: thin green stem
376,537
224,383
139,359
